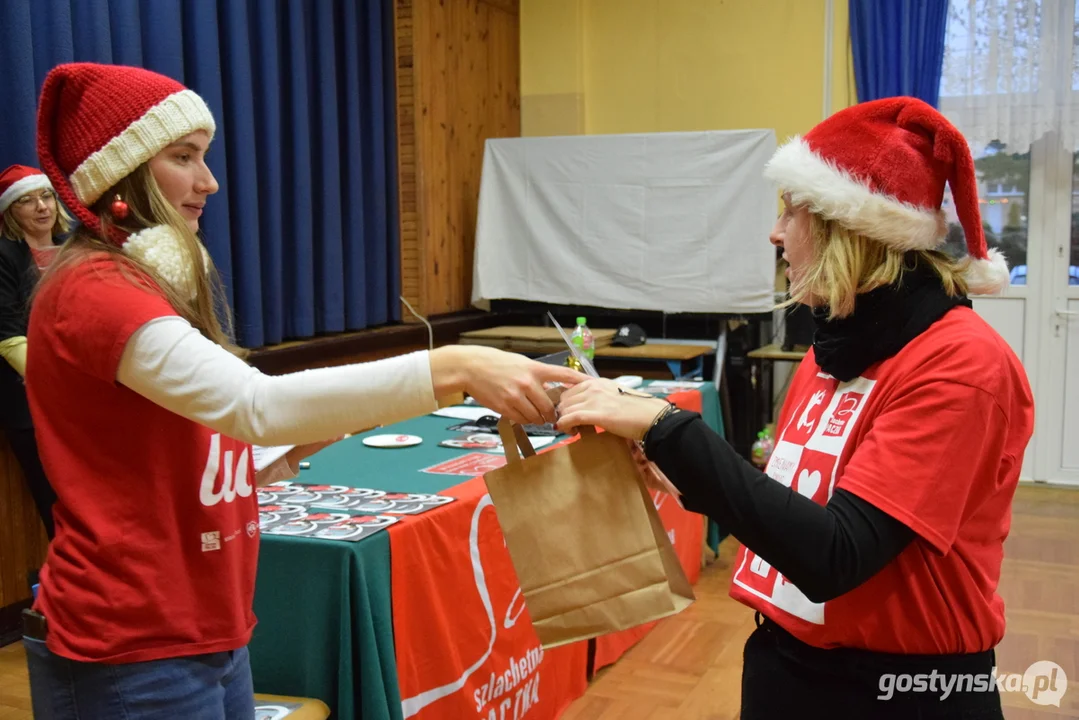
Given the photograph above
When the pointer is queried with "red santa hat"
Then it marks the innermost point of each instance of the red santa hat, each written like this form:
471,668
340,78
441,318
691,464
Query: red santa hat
19,180
879,169
97,124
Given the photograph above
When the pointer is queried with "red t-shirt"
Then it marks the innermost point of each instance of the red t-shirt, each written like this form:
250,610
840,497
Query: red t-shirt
44,256
157,522
934,437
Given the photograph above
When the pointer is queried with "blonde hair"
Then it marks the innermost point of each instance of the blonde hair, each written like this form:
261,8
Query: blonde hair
845,264
208,311
12,231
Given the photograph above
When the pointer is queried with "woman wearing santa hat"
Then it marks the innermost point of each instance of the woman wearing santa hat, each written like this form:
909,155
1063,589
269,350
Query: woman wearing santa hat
872,545
33,224
145,418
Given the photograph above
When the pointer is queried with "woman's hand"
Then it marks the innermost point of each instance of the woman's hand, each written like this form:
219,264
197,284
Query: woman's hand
597,401
510,384
298,453
276,472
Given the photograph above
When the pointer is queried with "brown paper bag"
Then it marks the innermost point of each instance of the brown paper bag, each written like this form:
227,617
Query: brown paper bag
590,551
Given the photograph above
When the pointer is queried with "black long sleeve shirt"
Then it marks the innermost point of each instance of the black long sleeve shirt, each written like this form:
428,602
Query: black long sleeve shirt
825,550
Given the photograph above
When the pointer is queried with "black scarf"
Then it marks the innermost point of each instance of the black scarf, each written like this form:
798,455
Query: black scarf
884,320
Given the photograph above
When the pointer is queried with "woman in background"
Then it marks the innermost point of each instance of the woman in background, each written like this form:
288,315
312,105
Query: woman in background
872,544
34,224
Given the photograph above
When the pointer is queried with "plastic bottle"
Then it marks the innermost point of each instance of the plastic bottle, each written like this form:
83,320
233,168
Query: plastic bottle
582,338
761,450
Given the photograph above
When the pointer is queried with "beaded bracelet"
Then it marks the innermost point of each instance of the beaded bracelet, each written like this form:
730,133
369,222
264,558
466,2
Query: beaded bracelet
670,409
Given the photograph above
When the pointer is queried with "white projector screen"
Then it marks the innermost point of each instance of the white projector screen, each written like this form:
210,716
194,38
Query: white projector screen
671,222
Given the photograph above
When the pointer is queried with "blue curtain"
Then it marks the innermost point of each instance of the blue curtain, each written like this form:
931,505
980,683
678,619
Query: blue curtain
304,228
898,47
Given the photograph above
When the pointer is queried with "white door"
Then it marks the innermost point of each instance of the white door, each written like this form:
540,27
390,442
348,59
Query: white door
1057,449
1038,315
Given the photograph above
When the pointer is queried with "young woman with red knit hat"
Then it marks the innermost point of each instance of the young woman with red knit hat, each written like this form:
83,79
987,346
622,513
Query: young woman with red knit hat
32,223
872,545
145,418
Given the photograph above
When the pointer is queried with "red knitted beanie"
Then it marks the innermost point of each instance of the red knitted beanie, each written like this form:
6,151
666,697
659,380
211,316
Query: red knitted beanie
97,123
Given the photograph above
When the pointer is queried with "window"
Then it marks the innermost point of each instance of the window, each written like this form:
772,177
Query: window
1003,189
1010,82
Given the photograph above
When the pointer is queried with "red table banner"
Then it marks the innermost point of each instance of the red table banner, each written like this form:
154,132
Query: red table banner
464,641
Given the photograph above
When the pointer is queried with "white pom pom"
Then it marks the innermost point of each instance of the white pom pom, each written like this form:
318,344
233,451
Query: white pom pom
162,249
989,276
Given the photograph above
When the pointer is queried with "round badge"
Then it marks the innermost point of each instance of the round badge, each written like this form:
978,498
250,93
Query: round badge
392,441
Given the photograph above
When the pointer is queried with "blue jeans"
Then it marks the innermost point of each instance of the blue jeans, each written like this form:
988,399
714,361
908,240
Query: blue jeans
208,687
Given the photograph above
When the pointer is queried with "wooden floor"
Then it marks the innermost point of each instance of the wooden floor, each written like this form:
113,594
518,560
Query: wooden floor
690,667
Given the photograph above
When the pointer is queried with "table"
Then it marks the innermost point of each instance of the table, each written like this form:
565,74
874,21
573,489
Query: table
326,608
531,340
671,353
776,352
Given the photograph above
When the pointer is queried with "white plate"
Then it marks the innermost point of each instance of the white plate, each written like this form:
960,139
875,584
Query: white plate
392,441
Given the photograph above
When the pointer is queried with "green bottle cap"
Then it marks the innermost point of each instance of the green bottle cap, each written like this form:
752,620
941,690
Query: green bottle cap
580,321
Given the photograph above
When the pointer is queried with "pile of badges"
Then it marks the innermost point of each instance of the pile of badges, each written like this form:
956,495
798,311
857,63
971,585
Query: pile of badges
336,512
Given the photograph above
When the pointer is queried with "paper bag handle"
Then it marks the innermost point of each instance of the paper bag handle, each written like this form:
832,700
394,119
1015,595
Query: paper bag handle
514,437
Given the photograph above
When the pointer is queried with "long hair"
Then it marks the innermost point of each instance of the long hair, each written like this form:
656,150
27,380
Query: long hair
208,311
845,264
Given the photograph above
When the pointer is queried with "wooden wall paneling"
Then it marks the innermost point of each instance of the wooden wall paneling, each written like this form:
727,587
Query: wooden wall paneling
460,86
22,536
485,104
508,6
433,46
422,27
458,69
407,196
505,81
469,100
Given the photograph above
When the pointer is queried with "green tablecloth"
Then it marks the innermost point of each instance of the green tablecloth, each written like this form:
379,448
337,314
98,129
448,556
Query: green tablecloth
325,613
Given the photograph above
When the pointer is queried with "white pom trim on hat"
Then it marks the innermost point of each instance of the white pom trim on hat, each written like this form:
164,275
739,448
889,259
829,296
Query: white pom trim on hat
988,276
19,188
835,194
161,249
179,114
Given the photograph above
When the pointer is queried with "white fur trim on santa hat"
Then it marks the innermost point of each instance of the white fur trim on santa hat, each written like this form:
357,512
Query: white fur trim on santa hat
28,184
161,249
179,114
989,276
835,194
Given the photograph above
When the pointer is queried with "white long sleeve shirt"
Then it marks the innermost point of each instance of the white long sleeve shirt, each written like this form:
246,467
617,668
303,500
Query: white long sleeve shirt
171,364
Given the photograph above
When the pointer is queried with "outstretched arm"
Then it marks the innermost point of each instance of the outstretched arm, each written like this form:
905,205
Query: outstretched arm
826,550
173,365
